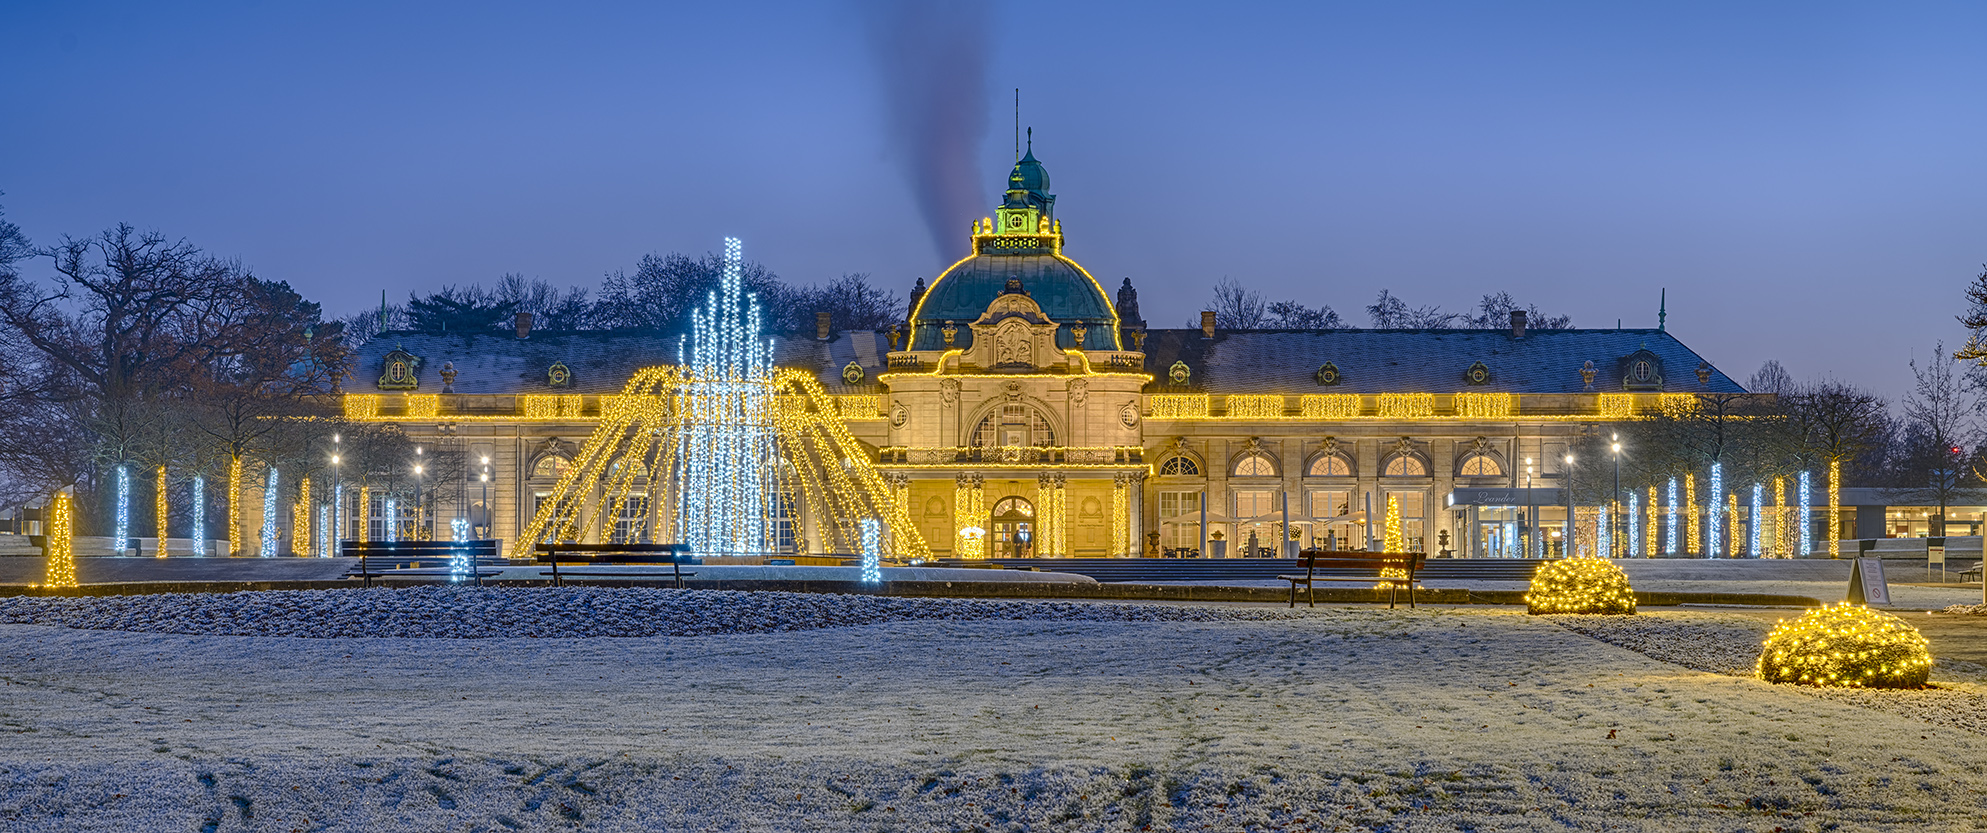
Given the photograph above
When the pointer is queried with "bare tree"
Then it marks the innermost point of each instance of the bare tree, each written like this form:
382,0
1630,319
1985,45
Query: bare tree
1940,411
1772,378
1494,312
1293,315
1389,312
1838,423
1235,307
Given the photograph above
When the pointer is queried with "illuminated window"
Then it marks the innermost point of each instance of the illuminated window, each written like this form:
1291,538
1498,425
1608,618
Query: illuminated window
1255,503
1481,465
1331,465
1414,509
617,470
1405,465
1014,425
550,466
1255,465
631,526
1330,503
1179,522
1180,465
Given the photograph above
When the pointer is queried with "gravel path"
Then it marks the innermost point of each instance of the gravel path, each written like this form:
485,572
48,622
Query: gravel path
1729,645
552,613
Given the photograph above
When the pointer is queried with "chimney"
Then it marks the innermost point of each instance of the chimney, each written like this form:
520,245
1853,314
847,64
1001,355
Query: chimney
1517,323
822,322
1207,323
524,325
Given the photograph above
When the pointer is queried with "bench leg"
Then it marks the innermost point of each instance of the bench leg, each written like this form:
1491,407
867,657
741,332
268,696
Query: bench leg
1311,593
1293,595
1410,594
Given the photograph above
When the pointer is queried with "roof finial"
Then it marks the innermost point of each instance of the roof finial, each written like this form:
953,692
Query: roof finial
1031,141
1017,124
1663,309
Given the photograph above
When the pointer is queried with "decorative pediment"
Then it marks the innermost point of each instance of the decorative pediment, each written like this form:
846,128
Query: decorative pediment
399,370
1014,336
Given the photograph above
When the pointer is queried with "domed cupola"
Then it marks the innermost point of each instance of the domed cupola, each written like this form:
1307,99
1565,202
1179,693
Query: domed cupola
1022,241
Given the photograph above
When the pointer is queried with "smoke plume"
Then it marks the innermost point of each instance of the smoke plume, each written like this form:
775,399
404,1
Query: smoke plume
933,58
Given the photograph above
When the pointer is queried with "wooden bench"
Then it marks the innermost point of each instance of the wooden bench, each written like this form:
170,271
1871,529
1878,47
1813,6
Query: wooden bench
397,555
1315,560
675,555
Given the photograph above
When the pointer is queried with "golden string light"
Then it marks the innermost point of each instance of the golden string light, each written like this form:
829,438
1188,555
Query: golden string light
1834,509
1485,405
1179,405
300,520
1649,529
1846,645
424,405
1407,405
1617,406
234,505
61,542
1255,406
1780,517
159,508
365,512
1330,405
1580,585
1121,535
1692,519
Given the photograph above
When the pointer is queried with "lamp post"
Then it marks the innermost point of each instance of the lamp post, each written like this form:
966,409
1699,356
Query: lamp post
486,496
337,495
420,512
1616,494
1566,544
1533,529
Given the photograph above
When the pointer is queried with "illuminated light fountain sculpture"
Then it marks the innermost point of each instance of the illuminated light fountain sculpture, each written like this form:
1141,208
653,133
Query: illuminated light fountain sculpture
734,446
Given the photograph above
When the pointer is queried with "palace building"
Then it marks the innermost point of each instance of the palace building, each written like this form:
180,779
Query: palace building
1023,410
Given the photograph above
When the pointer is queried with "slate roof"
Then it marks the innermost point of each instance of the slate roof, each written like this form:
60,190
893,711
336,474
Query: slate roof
1410,361
600,361
1261,361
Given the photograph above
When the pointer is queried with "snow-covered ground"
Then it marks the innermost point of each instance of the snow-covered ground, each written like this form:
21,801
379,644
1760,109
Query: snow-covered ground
1070,719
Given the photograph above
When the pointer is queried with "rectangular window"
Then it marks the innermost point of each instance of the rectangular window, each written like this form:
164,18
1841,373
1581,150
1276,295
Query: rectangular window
1255,503
1330,503
1179,522
632,525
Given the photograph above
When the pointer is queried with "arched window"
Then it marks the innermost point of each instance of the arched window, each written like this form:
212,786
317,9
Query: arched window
618,469
1255,465
1481,465
1331,465
1179,465
550,466
1014,425
1405,465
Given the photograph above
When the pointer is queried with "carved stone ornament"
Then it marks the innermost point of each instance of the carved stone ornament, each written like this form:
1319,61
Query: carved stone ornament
1180,374
899,415
398,371
1404,446
1587,372
1704,373
852,374
948,391
1480,444
1328,375
1328,447
1478,374
558,375
896,335
1078,331
1014,347
448,377
950,331
1079,390
1012,390
1128,415
1252,445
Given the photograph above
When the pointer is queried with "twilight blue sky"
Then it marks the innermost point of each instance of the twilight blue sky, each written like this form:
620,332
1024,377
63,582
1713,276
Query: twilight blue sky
1807,179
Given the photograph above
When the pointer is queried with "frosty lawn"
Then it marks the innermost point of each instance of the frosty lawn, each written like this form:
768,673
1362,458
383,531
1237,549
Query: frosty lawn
1430,720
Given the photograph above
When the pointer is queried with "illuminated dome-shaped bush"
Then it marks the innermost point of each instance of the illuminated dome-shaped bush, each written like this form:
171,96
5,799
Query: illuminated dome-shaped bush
1580,585
1846,645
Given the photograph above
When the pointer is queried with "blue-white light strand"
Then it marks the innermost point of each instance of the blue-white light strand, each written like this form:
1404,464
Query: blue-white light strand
199,516
1603,542
1711,510
392,522
121,539
1670,534
1807,527
324,530
458,562
727,448
1634,524
1752,529
268,549
337,516
872,572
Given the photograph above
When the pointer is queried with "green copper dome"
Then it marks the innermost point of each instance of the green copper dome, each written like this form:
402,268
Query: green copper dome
1025,245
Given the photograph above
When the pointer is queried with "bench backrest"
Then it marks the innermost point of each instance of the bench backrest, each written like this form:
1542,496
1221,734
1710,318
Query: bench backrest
1325,560
483,548
627,548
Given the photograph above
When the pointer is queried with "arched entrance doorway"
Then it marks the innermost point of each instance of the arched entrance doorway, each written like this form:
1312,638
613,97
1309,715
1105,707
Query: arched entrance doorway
1013,528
